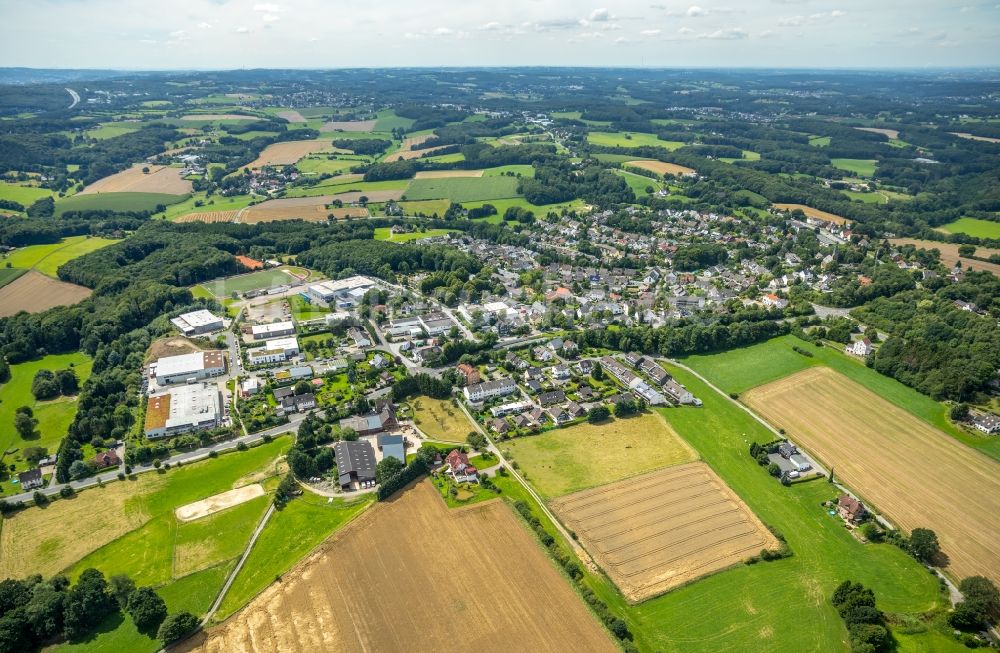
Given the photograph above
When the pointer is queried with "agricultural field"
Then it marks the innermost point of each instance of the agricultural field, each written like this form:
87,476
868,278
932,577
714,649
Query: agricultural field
438,419
130,527
34,292
583,456
159,179
912,471
949,254
216,117
639,183
630,139
117,202
288,152
111,130
47,258
427,207
813,213
860,167
209,216
463,189
503,204
661,167
888,133
324,165
8,275
312,209
348,126
242,283
973,137
207,205
22,194
385,233
974,227
819,141
388,120
447,174
658,531
291,115
438,555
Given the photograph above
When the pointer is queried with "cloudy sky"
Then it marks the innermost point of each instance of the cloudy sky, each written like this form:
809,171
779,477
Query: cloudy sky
144,34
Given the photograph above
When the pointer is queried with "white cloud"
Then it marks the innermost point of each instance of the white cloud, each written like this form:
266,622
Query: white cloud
650,32
685,31
242,29
694,11
443,31
792,21
600,15
267,7
726,34
270,18
492,26
204,25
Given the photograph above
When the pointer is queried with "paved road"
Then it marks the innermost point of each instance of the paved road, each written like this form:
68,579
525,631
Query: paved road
76,97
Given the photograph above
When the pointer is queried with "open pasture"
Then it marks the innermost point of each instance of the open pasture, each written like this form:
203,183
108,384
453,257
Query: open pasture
478,570
213,117
117,201
949,254
159,179
208,216
289,152
974,227
630,139
385,233
23,194
405,155
34,292
860,167
813,213
48,257
459,189
348,126
661,167
659,531
914,473
585,455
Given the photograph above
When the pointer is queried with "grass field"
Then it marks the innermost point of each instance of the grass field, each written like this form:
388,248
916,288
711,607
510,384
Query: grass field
253,281
384,233
819,141
502,205
23,195
974,227
914,473
303,310
658,531
54,416
860,167
312,519
583,456
117,202
639,183
47,258
462,189
126,526
440,420
213,204
426,207
9,274
388,120
323,165
478,569
518,169
630,139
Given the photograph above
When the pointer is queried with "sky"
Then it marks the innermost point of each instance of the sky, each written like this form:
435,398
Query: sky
227,34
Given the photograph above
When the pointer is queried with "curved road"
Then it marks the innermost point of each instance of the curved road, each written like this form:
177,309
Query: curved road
76,97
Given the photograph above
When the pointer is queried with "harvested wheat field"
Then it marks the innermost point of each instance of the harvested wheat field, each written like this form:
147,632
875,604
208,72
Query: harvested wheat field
915,474
289,152
291,115
813,213
34,292
405,155
208,216
348,126
888,133
219,502
218,116
447,174
949,254
662,168
160,179
312,209
973,137
372,195
659,531
407,563
345,212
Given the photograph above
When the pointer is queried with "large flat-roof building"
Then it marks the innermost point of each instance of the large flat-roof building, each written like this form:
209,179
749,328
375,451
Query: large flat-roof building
197,322
345,293
273,330
185,408
187,367
276,350
355,463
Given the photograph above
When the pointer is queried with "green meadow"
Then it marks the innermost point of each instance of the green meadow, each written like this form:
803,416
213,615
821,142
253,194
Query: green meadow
23,195
974,227
384,233
630,139
47,258
462,189
117,202
860,167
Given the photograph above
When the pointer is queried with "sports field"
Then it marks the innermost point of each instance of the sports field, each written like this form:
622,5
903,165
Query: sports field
583,456
813,213
259,280
440,420
460,189
385,233
914,473
439,558
34,292
974,227
860,167
630,139
658,531
159,179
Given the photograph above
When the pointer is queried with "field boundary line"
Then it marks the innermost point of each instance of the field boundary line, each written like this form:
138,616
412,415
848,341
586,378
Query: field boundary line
239,565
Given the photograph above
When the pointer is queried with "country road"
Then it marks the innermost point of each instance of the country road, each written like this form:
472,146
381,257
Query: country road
76,97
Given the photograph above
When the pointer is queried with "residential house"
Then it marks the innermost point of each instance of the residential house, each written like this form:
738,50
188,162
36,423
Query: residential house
500,425
490,389
558,415
860,348
552,397
31,479
575,410
988,423
851,510
469,374
106,459
458,467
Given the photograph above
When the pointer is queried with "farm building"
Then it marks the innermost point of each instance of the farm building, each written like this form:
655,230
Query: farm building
184,368
355,463
392,446
30,479
185,408
274,330
277,350
496,388
197,322
384,420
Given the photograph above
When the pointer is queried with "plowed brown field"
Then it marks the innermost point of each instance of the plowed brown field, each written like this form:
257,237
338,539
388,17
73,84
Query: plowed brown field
658,531
34,292
917,475
411,575
160,179
289,152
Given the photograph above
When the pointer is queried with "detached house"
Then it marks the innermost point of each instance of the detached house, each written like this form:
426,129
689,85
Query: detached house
458,467
851,510
860,348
